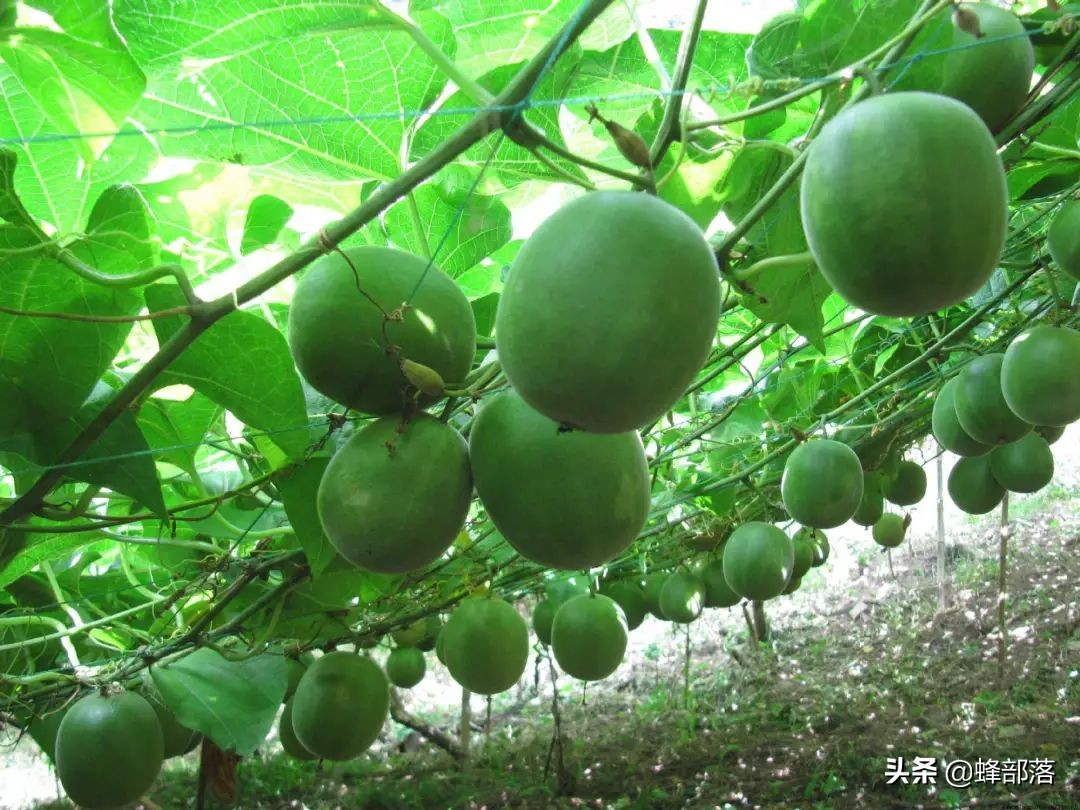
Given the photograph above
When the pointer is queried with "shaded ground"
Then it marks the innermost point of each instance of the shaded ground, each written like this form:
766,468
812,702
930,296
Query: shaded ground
857,671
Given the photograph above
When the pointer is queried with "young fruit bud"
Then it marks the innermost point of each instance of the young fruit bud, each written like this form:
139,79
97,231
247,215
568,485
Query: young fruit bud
423,378
967,20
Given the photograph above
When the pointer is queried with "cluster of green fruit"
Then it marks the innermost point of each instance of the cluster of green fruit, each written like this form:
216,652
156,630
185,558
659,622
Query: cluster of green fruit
943,179
1002,412
108,747
587,307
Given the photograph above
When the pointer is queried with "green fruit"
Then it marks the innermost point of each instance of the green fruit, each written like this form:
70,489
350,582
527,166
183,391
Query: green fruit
394,510
43,730
294,671
907,485
1063,238
972,486
1051,434
287,735
821,545
981,406
682,598
109,749
1026,465
872,503
631,599
1039,378
803,545
792,586
542,617
421,633
609,311
340,706
992,77
563,590
717,591
177,737
889,530
947,429
588,637
822,483
336,332
904,203
758,560
541,485
654,583
405,667
487,645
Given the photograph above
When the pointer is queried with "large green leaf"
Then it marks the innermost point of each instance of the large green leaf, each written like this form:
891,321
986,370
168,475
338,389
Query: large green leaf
316,86
464,228
838,32
243,364
234,703
299,487
175,428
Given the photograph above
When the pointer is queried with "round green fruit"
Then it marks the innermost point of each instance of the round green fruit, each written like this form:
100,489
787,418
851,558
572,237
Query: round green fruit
294,671
588,637
717,591
803,544
654,583
904,203
982,408
392,509
872,503
947,428
542,617
758,560
177,737
440,648
972,486
682,598
991,73
1063,238
405,667
1039,377
609,311
287,735
822,483
421,633
541,485
336,332
340,706
109,750
889,530
487,645
793,585
630,598
1026,465
1051,434
563,590
821,545
907,485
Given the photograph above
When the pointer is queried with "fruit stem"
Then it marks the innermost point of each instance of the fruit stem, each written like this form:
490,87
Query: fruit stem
792,260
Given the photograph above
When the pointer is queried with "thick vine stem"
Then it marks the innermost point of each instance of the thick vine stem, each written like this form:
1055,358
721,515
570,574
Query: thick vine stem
666,134
505,110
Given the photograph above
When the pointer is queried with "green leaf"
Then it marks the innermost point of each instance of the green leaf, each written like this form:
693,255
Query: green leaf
694,188
42,548
48,366
79,84
175,428
234,703
266,217
836,33
299,487
287,87
468,229
121,236
243,364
